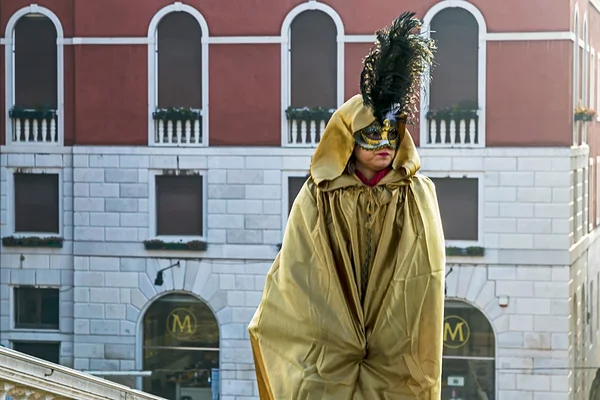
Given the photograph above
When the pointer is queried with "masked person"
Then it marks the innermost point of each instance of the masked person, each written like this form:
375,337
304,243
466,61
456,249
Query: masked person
353,305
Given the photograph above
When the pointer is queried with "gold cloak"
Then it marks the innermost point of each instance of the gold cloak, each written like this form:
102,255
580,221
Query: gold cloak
315,335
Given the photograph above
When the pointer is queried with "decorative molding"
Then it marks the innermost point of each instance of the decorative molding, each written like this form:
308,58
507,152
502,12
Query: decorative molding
109,40
358,38
245,40
481,66
491,37
153,66
9,82
528,36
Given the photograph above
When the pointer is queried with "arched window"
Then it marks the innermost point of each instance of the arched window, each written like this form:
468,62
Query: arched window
34,93
312,71
458,78
179,94
468,367
181,348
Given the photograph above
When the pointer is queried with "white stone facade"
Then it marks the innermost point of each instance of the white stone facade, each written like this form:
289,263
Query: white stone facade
106,276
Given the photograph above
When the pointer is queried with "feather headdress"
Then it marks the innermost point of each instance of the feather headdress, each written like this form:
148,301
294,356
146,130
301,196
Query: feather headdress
394,67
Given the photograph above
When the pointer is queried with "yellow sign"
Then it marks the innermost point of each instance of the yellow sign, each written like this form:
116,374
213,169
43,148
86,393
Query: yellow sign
456,332
182,324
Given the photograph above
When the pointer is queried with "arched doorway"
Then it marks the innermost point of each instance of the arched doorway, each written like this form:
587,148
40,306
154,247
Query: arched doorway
181,348
468,367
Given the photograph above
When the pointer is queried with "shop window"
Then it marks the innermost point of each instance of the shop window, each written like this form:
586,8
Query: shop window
458,200
48,351
468,366
36,308
179,205
36,206
181,347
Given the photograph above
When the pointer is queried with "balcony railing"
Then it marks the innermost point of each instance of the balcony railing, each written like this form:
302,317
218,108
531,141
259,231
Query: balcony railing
26,377
452,128
306,125
34,126
177,127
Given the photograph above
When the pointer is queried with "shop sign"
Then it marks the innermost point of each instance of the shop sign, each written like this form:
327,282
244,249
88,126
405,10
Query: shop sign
456,332
182,324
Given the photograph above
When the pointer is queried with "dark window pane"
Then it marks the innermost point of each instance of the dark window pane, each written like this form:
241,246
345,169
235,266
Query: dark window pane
46,351
179,205
459,205
36,203
295,183
35,62
36,308
179,61
455,75
313,60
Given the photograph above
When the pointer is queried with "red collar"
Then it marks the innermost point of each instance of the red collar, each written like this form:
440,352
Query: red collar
376,178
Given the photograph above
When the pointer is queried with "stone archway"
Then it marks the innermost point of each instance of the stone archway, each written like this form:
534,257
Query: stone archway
468,367
181,348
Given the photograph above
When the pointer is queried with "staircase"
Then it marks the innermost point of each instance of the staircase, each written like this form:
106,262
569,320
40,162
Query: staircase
23,377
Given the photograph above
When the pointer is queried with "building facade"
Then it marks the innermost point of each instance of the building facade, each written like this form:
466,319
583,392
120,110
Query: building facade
151,152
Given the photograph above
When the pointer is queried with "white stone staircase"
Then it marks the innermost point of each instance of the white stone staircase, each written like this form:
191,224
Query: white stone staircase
23,377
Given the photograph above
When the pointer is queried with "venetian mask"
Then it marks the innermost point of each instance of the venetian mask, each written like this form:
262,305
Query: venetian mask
379,135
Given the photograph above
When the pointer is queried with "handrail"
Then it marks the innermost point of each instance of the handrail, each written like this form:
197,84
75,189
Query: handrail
50,381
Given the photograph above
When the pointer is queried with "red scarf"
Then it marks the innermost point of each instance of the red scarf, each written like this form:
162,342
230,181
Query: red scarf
376,178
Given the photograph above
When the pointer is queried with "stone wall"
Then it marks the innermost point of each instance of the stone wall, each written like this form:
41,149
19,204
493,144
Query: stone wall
106,276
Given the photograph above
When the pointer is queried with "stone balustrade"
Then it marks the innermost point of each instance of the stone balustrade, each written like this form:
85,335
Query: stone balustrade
23,377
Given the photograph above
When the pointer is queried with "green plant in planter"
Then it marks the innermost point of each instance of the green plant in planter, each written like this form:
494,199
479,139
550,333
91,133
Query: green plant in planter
177,114
584,114
309,114
39,112
463,110
473,251
32,241
192,245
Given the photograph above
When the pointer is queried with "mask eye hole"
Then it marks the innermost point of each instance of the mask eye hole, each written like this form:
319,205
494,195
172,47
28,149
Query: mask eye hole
393,135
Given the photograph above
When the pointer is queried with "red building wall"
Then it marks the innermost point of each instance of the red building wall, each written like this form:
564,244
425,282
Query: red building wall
106,91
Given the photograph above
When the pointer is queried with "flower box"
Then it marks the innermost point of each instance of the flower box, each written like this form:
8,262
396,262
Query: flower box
32,241
465,251
192,245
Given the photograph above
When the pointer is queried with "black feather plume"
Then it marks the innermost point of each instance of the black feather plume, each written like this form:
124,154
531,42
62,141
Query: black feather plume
395,65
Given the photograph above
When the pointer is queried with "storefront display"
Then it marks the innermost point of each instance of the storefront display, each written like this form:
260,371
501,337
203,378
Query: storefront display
468,368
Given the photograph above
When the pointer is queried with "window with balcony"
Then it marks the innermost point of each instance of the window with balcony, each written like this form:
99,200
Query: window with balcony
36,203
313,69
34,99
459,203
179,98
452,107
36,308
47,351
179,208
